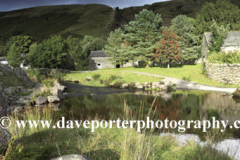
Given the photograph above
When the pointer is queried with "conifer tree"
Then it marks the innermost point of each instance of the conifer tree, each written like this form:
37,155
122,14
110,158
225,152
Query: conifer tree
116,47
143,33
183,26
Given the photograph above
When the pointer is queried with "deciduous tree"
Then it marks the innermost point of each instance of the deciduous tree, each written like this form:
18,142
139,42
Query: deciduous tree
168,50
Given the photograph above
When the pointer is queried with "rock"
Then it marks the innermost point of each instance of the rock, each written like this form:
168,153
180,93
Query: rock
1,73
110,85
146,84
53,99
5,138
72,157
60,87
76,81
21,101
22,89
155,84
118,84
41,100
236,94
168,83
132,85
89,79
139,85
162,87
124,86
57,92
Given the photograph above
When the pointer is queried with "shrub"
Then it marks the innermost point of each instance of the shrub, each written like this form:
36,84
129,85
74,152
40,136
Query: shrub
96,76
222,57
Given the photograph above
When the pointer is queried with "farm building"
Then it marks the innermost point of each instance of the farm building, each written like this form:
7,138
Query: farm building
231,43
99,60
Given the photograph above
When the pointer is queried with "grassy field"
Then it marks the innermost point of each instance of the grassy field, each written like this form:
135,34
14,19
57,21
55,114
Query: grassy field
186,72
103,144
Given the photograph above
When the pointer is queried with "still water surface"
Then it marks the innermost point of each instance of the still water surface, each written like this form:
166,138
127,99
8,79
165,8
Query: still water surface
103,103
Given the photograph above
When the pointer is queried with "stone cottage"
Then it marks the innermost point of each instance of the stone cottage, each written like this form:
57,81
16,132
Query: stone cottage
99,60
231,43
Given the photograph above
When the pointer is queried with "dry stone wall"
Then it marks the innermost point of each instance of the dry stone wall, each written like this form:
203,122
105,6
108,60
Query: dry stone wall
226,73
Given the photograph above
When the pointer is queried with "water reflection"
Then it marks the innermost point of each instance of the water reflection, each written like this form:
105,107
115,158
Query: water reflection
180,105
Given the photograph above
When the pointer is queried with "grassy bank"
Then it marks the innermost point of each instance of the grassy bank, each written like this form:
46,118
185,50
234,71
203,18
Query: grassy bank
103,144
186,72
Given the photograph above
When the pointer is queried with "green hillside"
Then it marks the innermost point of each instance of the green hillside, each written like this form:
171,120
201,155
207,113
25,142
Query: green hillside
79,20
42,22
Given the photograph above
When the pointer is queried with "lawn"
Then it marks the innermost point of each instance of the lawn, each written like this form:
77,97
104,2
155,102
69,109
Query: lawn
186,72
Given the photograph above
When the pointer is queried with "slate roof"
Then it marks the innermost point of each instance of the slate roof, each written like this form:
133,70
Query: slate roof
232,39
98,54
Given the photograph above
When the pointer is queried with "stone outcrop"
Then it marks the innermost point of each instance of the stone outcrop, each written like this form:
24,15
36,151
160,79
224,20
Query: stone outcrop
41,100
19,72
53,99
225,73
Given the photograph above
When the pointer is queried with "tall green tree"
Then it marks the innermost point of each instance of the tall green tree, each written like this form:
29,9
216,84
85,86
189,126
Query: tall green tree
218,35
183,26
116,47
75,51
79,50
168,50
223,12
143,33
14,56
22,42
51,53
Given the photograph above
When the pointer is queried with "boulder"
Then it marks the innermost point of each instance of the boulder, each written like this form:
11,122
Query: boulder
146,84
167,82
59,86
72,157
162,87
53,99
118,84
155,84
132,85
89,79
110,85
41,100
139,85
57,92
124,86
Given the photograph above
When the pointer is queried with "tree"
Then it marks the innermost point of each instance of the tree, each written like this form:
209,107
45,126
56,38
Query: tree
22,42
75,51
14,56
218,35
116,47
143,33
183,26
51,53
168,50
80,50
223,12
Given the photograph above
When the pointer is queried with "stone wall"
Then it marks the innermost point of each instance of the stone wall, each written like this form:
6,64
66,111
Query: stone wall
226,73
230,49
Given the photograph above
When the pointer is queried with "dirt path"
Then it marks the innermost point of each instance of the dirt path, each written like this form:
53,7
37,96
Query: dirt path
182,84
